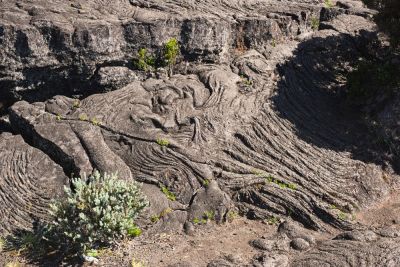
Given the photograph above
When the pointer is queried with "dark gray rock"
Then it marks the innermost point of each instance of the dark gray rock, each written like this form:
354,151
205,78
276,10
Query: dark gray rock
381,252
250,117
189,228
300,244
29,179
229,260
358,235
111,78
263,244
271,260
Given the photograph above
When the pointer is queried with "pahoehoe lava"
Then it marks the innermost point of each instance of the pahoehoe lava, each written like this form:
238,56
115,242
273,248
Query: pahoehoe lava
255,108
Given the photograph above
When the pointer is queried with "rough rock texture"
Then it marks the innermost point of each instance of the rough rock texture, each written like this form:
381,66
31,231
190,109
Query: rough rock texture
253,117
29,179
338,252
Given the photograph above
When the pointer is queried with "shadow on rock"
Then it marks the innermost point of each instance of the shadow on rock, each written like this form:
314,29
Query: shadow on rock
312,95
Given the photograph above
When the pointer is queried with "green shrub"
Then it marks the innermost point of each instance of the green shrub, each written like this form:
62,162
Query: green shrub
144,61
171,51
97,213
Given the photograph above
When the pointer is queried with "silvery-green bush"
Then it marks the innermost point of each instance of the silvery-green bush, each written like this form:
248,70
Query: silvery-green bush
97,212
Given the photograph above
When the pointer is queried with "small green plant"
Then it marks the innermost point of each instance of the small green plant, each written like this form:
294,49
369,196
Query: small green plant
95,122
76,104
196,221
100,211
165,212
333,207
257,172
206,182
273,43
209,215
162,142
231,215
171,51
292,186
171,196
144,61
314,23
342,216
154,218
273,220
246,81
58,117
136,263
328,4
83,117
199,221
134,231
281,184
92,253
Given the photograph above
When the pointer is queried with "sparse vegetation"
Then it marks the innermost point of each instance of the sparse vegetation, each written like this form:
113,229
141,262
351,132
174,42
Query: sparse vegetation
171,196
136,263
328,4
273,220
162,142
167,57
155,218
281,184
342,216
199,221
83,117
247,82
314,23
271,179
144,61
95,122
206,182
209,215
76,104
231,215
171,51
58,117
